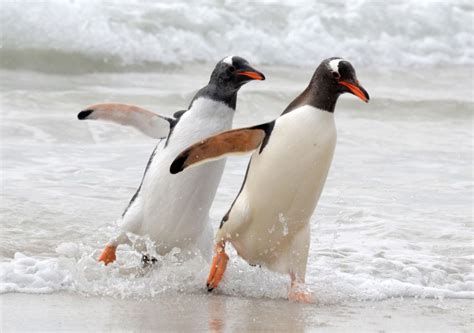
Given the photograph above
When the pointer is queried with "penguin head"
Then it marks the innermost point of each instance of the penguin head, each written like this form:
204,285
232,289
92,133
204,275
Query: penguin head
229,75
339,74
233,72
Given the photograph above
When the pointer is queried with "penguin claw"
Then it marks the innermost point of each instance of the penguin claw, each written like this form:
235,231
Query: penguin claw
108,255
148,260
218,266
209,288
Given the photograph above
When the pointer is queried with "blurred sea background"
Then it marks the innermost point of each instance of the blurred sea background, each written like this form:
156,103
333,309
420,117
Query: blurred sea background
395,217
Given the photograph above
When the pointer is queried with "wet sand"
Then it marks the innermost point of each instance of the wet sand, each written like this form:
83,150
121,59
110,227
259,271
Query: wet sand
218,313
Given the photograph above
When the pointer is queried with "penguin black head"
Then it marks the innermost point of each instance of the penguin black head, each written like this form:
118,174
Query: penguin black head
229,75
233,72
333,77
341,77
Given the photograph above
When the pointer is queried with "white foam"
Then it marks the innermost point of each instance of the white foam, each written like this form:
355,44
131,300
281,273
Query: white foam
125,278
140,32
69,250
31,275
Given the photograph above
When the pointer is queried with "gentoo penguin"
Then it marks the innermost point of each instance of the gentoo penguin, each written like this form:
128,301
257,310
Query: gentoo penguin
268,222
174,210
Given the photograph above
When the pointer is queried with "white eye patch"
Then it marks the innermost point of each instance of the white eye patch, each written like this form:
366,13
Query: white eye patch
228,60
334,64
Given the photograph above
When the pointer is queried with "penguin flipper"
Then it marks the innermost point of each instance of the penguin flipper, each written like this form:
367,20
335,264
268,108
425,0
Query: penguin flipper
145,121
233,142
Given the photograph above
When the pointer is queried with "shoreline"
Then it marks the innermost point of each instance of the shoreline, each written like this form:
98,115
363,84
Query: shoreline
375,234
183,312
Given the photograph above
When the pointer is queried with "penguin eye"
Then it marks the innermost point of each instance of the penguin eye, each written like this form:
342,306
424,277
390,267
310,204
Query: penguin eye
336,75
231,69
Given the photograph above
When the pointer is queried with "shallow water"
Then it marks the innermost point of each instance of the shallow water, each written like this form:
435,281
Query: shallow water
394,220
220,313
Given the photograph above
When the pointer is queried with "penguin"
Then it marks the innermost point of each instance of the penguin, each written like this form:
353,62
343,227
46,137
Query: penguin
174,210
268,222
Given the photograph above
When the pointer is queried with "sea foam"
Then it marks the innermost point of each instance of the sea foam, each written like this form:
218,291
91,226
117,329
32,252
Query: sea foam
113,35
76,269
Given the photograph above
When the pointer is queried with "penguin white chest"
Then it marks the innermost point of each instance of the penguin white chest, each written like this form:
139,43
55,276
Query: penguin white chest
283,185
173,209
292,168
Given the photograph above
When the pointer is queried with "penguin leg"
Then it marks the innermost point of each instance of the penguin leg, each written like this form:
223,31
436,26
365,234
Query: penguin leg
299,258
297,292
108,254
218,266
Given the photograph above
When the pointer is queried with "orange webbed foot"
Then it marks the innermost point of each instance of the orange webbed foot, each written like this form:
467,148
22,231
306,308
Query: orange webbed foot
218,266
300,296
298,292
108,255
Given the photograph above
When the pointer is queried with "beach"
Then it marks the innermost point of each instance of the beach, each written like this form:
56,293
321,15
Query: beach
372,253
217,313
392,236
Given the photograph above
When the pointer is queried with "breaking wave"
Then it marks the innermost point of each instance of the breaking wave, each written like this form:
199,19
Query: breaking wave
141,35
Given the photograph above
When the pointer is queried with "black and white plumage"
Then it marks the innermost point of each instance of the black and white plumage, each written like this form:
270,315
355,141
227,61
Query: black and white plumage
268,223
173,210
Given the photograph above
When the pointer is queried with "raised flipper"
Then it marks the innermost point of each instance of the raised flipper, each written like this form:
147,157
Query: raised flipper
145,121
233,142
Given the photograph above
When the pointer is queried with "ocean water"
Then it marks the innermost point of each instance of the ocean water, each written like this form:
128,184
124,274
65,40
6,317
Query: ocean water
395,217
111,35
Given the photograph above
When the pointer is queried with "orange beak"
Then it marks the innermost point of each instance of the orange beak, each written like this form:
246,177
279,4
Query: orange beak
252,75
357,90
